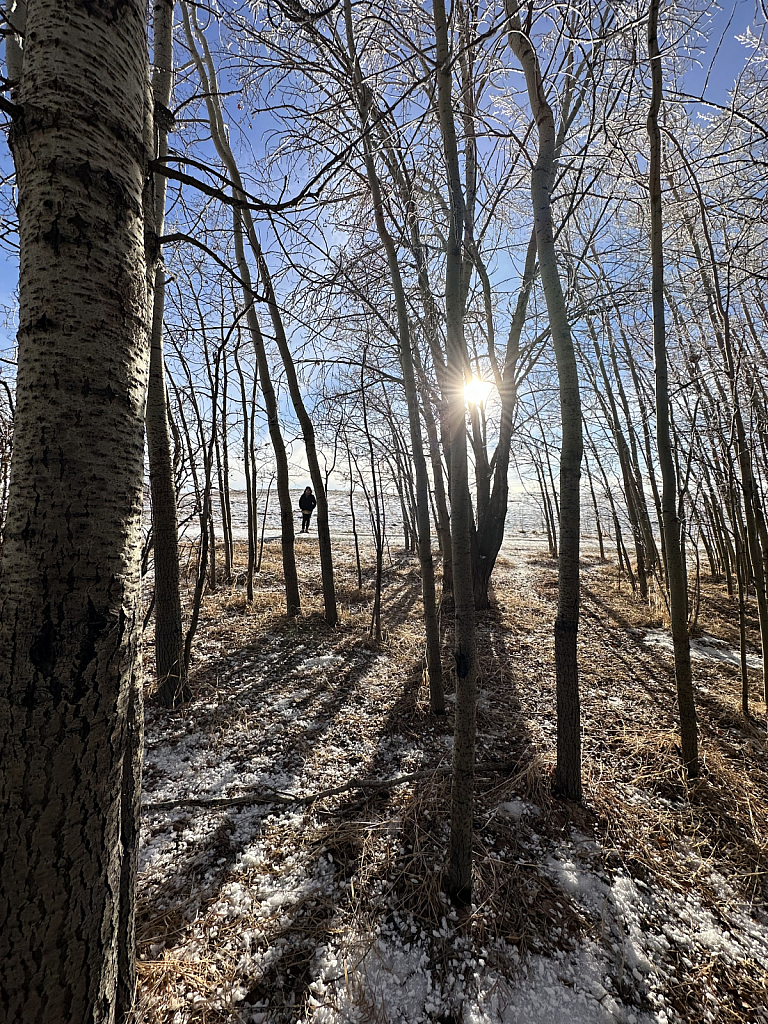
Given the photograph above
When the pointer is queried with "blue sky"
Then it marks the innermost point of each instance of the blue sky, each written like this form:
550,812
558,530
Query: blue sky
723,48
728,54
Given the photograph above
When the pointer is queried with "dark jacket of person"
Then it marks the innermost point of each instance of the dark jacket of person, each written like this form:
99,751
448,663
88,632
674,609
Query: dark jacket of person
307,501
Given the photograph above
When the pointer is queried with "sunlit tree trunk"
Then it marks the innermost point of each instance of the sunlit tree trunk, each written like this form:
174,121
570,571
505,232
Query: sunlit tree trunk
70,705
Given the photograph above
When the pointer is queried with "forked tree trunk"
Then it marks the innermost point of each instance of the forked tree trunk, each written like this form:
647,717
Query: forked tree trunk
405,352
678,588
490,526
568,771
71,705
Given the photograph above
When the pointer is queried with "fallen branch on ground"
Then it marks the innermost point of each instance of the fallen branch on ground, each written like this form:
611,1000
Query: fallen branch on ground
266,796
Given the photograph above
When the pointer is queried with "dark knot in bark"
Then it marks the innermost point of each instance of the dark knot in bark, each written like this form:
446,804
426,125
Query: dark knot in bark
566,627
463,663
164,117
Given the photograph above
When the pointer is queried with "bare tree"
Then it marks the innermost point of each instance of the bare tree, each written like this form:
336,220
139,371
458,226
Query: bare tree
678,589
170,665
568,778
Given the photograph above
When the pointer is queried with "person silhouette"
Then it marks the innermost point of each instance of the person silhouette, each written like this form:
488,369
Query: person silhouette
306,503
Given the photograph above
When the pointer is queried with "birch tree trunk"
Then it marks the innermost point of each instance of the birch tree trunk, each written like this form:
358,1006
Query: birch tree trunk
678,587
70,705
568,772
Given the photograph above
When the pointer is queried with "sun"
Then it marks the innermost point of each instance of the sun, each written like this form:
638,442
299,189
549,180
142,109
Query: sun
476,391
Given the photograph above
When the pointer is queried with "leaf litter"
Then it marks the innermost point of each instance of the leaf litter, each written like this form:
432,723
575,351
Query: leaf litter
260,901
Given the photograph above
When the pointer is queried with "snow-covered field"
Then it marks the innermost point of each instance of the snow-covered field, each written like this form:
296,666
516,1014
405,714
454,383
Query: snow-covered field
266,897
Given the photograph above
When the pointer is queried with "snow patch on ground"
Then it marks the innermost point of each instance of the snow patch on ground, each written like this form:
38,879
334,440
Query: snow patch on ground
705,648
568,988
323,662
256,876
517,808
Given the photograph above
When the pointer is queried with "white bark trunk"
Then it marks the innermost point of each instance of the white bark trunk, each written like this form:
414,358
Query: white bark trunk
70,706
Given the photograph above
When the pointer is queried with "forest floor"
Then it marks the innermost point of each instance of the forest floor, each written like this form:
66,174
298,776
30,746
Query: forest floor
265,896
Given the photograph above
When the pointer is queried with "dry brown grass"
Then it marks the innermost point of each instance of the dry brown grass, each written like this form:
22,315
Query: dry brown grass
390,845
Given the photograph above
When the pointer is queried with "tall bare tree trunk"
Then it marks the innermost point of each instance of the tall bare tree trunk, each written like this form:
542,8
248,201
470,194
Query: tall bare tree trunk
459,881
169,632
293,603
568,772
598,526
678,587
442,518
490,525
71,705
287,531
250,491
755,520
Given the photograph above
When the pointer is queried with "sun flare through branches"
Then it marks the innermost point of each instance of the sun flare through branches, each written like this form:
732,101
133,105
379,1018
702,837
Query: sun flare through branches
476,391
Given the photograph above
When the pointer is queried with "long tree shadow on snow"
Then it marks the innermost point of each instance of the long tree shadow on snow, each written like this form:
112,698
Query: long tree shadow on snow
228,690
384,839
401,890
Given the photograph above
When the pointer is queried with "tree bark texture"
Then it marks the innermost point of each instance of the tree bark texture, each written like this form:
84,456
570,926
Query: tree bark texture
70,704
678,587
568,772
